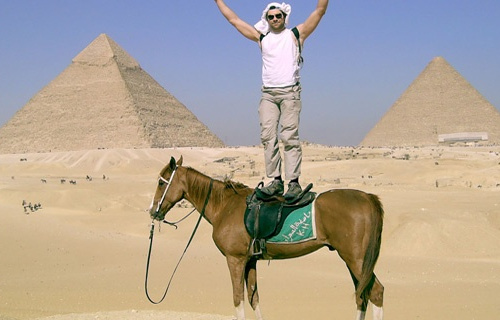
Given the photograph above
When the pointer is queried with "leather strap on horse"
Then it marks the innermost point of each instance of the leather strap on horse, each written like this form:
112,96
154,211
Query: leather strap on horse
151,234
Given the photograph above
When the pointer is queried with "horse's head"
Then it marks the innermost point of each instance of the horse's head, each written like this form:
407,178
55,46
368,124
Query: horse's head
169,190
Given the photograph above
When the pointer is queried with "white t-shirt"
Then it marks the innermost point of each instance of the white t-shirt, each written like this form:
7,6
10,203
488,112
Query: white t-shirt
280,59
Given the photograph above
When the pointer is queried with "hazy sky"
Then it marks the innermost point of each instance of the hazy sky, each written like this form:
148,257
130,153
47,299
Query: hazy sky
361,58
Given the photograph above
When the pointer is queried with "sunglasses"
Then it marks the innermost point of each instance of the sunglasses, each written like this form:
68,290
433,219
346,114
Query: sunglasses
271,16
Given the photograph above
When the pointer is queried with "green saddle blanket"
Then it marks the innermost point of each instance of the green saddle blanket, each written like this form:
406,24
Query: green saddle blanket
299,226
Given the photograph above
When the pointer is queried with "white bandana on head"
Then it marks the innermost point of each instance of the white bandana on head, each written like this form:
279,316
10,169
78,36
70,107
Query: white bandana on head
263,26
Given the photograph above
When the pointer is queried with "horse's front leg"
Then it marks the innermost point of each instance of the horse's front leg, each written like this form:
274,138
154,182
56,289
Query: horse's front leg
236,269
251,280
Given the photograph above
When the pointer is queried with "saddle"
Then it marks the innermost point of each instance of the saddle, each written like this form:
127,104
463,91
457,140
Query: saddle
264,215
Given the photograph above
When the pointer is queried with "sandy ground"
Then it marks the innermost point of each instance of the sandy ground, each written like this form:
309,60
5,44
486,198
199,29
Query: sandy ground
83,254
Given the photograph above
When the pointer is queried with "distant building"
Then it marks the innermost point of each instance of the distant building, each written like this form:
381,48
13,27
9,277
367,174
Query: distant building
463,137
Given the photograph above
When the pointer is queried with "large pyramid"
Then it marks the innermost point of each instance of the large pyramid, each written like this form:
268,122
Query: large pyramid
440,106
103,99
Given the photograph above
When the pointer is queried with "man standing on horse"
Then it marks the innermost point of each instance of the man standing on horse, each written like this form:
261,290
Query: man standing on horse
280,102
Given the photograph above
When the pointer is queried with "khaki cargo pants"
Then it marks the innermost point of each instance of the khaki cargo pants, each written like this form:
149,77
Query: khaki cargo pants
281,106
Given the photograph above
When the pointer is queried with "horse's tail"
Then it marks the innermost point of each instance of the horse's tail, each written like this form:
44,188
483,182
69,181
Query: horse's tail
367,279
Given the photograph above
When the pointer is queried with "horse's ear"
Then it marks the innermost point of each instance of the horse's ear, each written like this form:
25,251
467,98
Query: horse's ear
172,164
179,162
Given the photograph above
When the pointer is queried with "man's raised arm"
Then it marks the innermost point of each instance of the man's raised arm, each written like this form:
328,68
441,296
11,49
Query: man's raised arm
243,27
306,28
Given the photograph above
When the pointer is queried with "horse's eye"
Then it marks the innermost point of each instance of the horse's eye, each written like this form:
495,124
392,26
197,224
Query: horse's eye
161,183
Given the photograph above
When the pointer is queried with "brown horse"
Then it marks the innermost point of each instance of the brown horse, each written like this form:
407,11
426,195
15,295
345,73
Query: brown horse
348,221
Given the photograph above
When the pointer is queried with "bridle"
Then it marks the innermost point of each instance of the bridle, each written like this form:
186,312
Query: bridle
169,183
160,203
151,233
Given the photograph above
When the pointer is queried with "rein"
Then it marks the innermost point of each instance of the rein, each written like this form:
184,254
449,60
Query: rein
151,234
175,223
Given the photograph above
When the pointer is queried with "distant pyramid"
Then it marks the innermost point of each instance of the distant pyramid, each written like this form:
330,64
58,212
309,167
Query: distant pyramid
439,106
103,99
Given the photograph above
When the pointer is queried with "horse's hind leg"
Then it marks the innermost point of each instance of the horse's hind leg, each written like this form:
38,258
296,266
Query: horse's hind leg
377,298
360,314
251,280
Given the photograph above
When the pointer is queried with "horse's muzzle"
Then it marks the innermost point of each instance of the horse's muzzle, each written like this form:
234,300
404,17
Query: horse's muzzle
156,215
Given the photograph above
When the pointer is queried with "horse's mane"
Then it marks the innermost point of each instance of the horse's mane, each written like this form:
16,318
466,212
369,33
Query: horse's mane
226,183
236,186
220,189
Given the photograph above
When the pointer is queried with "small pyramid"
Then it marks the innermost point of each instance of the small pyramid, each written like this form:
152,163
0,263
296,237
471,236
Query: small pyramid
103,99
439,104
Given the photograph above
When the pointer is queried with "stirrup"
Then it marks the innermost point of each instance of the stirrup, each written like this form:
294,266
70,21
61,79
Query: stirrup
259,247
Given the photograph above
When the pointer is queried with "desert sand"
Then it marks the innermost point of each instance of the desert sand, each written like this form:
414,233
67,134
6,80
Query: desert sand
82,254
